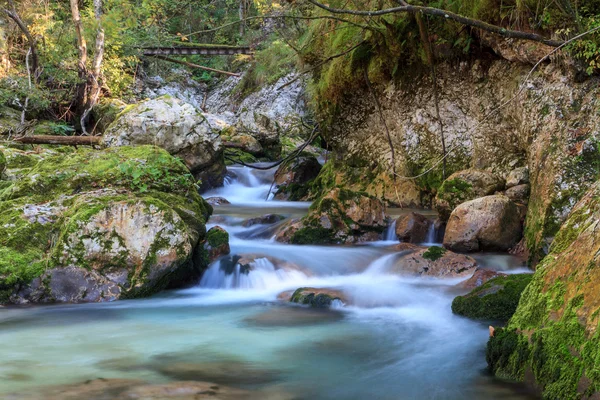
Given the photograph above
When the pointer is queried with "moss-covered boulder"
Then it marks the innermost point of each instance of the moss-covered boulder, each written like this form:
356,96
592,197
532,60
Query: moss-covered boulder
361,174
177,127
495,300
341,216
216,243
486,223
88,225
463,186
293,179
553,339
319,298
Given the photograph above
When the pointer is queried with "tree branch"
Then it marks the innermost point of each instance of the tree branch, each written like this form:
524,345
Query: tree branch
191,65
12,14
63,140
436,12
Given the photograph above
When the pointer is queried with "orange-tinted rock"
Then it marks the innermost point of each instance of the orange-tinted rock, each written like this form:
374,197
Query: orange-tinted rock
486,223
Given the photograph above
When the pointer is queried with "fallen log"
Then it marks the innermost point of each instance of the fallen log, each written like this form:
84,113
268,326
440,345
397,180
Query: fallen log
64,140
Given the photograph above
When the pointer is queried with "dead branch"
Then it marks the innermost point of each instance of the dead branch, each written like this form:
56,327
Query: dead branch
12,14
63,140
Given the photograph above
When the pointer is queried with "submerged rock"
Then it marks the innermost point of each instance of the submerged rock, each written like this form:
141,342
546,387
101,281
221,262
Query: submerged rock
131,389
434,261
464,186
290,316
177,127
184,390
413,228
99,225
217,201
486,223
497,299
341,216
248,262
480,277
319,297
292,179
267,219
222,372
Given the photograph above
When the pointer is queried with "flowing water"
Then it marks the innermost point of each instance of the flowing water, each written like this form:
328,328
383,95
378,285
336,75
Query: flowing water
396,339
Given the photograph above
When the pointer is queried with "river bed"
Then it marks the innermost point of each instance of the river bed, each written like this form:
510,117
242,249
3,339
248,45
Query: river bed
398,339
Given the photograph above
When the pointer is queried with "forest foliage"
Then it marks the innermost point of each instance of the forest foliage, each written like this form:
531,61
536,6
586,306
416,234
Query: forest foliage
341,52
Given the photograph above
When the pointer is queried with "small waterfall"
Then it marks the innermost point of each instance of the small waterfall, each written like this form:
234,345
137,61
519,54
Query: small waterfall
431,234
390,233
262,274
381,265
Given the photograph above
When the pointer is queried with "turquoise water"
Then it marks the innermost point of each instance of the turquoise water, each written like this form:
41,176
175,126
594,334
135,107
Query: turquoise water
395,339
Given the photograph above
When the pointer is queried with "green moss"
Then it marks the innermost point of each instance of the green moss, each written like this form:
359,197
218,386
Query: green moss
497,299
562,358
2,162
307,297
139,169
296,191
234,156
313,235
434,253
61,194
18,268
506,354
217,237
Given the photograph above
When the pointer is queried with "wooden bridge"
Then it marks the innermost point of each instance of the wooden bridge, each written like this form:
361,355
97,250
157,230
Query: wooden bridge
198,49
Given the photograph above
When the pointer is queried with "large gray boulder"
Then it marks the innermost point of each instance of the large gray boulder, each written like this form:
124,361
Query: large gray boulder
179,128
487,223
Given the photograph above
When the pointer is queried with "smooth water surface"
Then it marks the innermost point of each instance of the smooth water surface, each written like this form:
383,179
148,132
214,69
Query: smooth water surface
396,340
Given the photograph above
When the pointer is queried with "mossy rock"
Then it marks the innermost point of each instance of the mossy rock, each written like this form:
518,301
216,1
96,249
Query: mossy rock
139,169
463,186
434,253
553,340
98,225
495,300
235,156
317,298
340,216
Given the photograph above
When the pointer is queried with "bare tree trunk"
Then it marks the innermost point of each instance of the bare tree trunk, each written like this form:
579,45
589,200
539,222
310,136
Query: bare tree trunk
35,65
94,79
242,14
81,92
